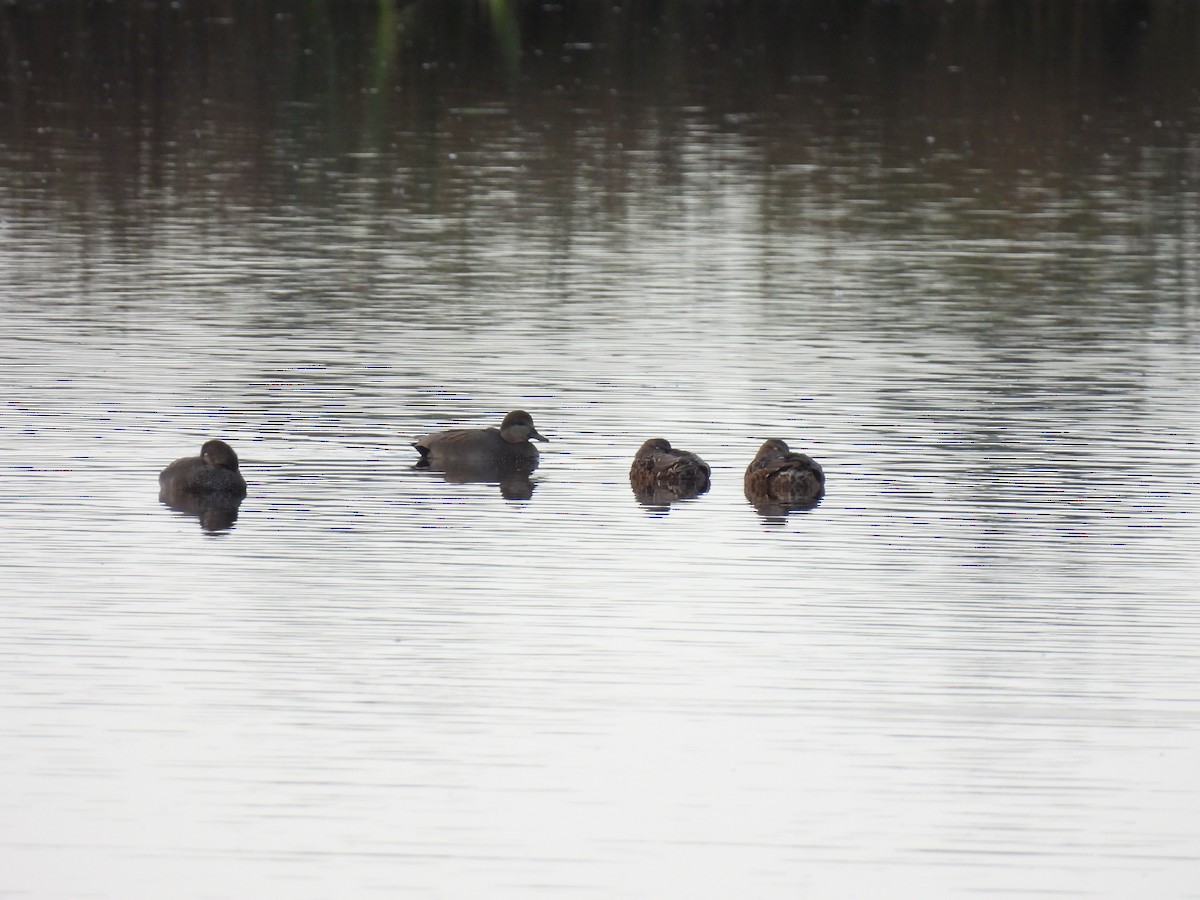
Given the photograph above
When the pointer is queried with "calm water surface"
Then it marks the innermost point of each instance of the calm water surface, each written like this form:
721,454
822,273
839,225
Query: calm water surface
973,669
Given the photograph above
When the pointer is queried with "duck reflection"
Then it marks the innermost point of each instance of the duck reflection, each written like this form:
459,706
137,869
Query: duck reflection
216,512
657,499
776,512
780,481
661,475
512,477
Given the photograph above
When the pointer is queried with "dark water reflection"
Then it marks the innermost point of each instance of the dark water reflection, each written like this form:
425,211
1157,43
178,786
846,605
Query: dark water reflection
657,498
949,250
776,511
514,479
216,513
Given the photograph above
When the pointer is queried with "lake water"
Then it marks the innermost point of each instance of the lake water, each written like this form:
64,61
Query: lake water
967,282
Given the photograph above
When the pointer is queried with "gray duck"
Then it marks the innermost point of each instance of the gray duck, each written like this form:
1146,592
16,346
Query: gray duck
482,448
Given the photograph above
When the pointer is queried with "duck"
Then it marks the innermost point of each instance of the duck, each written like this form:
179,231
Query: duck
214,473
661,473
779,476
482,448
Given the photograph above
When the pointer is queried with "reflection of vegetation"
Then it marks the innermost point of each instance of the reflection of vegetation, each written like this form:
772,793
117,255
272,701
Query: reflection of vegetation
829,125
386,40
410,87
504,27
714,44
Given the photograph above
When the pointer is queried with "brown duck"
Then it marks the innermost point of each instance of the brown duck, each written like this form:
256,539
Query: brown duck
482,447
778,476
660,473
214,473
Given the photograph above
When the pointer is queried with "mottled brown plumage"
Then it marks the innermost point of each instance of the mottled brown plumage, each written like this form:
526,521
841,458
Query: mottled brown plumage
661,474
476,447
778,477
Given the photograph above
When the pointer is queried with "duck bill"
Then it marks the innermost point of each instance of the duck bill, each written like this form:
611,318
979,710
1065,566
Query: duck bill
537,437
